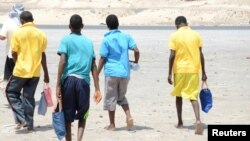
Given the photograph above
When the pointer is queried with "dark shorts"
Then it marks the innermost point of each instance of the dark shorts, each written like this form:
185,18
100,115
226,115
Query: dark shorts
75,98
8,68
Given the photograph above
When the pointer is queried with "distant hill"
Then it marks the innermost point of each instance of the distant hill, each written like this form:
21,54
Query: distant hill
136,12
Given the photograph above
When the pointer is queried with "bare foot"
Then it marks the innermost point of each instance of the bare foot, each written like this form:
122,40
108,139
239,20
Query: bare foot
130,123
20,125
198,128
30,130
179,125
110,127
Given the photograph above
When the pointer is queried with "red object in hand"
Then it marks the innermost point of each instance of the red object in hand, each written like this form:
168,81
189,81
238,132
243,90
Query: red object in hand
48,96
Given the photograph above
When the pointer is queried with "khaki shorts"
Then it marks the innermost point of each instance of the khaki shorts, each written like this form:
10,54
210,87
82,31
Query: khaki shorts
115,91
186,85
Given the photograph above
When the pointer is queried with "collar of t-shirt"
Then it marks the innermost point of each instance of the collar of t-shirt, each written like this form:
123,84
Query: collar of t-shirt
76,33
112,31
28,24
184,27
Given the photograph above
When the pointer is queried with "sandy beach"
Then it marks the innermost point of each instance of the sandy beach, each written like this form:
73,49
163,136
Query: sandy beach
152,107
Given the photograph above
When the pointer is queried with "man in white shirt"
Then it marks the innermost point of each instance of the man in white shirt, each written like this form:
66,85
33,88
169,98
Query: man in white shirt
8,28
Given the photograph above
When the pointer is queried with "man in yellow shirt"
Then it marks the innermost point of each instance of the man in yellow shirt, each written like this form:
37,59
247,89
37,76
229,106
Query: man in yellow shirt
186,60
28,46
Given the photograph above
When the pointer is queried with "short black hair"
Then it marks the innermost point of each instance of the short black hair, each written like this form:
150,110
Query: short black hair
112,21
180,20
26,16
76,22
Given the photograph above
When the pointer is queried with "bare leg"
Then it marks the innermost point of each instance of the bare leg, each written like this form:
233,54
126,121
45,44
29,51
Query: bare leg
111,126
68,131
81,127
129,119
179,112
198,124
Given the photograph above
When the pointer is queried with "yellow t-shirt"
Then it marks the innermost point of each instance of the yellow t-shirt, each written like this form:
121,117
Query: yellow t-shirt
186,44
29,43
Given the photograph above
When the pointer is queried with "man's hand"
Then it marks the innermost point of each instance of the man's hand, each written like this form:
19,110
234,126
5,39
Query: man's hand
170,79
97,97
46,79
204,77
58,93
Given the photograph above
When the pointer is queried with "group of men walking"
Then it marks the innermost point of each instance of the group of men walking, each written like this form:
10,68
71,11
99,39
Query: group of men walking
27,45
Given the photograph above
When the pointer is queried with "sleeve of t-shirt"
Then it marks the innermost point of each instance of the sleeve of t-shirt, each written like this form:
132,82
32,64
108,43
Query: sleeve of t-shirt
63,47
199,40
171,43
104,51
131,43
92,46
44,46
3,31
14,43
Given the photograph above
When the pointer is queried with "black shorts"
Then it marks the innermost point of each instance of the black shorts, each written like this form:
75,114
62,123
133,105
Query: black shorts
75,98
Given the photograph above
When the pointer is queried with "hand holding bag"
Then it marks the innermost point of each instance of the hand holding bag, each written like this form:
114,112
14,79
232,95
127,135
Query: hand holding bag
205,98
48,95
58,121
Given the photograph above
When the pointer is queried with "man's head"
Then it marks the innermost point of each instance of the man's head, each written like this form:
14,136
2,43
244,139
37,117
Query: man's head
26,16
76,23
180,21
112,22
16,10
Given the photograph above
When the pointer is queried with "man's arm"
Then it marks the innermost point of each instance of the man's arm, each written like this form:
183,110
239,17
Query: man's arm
45,69
2,37
61,66
95,75
204,76
14,56
171,63
136,55
3,32
101,64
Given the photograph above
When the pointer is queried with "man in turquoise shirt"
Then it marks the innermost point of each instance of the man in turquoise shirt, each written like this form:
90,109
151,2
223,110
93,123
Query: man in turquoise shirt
77,59
114,53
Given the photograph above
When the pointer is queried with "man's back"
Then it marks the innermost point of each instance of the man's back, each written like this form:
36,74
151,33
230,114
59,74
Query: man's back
29,43
115,48
79,52
186,44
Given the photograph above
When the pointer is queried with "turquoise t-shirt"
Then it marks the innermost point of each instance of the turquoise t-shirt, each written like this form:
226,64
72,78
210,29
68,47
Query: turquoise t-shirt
114,48
79,53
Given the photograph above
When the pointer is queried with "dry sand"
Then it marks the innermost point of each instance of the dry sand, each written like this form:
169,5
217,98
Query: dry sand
139,12
227,66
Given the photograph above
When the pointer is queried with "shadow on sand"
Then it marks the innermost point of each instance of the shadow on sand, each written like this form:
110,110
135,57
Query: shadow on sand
134,129
191,127
36,129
